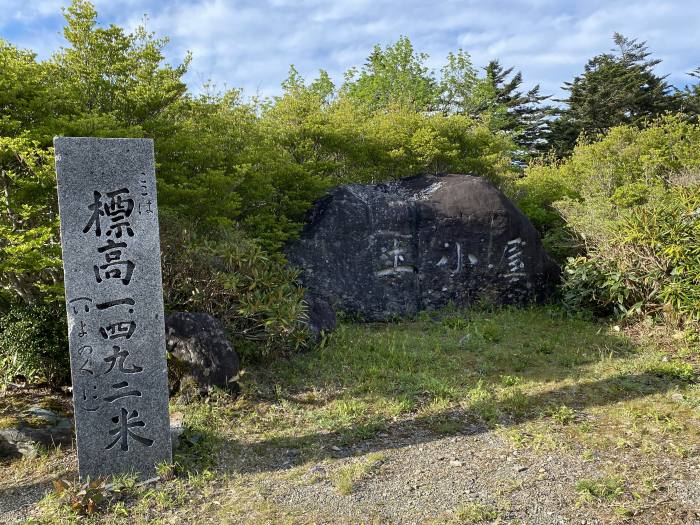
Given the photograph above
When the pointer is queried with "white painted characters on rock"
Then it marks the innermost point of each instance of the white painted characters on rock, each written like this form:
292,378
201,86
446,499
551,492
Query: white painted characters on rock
513,254
459,259
397,256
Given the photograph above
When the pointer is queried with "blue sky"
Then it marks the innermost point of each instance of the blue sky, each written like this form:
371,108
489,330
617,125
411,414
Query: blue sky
249,44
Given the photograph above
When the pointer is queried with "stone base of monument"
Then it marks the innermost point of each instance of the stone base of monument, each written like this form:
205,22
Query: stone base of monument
40,428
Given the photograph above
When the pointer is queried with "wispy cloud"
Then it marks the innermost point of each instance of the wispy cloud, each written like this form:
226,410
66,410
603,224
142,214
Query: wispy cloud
251,43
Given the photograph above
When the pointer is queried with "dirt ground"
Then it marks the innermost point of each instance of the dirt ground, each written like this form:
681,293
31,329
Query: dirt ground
478,476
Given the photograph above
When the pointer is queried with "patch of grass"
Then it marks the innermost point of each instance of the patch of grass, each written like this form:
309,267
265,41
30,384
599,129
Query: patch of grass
673,370
546,381
606,489
516,402
445,426
475,512
508,380
346,477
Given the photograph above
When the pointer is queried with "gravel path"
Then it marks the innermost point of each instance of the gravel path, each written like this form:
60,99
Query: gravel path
426,482
422,478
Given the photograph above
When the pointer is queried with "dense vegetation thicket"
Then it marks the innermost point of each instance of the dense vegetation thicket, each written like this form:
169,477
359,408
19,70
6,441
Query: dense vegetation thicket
626,209
609,177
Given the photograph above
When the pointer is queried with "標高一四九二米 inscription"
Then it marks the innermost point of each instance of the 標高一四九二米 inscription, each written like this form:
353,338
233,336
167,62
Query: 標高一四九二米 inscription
114,300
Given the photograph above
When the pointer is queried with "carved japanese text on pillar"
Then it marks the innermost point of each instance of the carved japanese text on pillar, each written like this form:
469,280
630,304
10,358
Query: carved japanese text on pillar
109,233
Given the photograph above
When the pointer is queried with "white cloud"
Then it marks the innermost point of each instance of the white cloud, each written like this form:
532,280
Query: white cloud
250,43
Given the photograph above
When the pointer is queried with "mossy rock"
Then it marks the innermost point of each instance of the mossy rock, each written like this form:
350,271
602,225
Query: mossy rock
9,422
36,422
55,405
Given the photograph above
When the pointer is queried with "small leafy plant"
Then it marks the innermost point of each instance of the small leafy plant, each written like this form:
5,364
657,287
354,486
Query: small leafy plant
83,498
564,415
602,489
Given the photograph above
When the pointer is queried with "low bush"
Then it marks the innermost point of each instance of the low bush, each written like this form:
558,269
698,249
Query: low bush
627,209
649,263
34,344
230,277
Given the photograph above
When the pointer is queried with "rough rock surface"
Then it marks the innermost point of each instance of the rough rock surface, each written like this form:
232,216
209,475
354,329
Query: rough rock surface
36,426
202,351
394,249
322,317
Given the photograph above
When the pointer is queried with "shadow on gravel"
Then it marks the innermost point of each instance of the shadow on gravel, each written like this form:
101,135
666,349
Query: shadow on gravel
23,495
291,452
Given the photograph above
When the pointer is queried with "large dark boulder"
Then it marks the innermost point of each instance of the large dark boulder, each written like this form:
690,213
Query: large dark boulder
200,352
393,249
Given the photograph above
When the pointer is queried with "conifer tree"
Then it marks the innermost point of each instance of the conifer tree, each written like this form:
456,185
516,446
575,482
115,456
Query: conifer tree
689,98
525,116
619,87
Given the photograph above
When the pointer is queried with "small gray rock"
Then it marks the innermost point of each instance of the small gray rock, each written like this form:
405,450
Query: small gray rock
322,319
201,352
35,427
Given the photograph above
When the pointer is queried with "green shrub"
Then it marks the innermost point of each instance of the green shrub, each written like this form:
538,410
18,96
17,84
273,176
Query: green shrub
30,254
646,260
230,277
626,210
535,194
673,370
34,343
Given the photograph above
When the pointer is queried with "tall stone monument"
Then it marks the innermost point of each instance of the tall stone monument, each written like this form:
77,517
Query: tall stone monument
114,301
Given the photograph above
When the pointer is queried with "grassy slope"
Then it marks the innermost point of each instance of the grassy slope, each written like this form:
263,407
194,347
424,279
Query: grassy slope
543,381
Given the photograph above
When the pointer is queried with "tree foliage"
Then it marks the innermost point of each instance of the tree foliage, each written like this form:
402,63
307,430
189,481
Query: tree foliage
632,202
689,97
616,88
524,116
108,78
396,75
239,173
236,176
30,253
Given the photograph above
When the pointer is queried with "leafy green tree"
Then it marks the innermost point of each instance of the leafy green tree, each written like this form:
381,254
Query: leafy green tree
200,159
30,253
391,76
458,86
108,81
23,90
235,177
615,88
